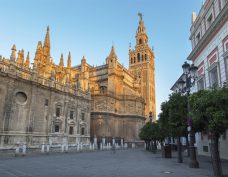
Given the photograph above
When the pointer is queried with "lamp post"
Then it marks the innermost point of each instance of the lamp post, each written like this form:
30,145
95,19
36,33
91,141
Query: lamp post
150,116
185,85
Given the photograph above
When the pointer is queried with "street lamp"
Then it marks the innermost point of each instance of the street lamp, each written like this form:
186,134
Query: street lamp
185,85
150,116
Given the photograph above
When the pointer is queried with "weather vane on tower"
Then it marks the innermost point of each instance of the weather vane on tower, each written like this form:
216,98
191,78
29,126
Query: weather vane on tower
140,15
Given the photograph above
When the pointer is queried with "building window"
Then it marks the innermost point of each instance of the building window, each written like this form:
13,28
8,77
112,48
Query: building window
71,130
200,84
224,136
209,21
140,41
138,57
103,89
205,148
145,57
56,128
226,69
131,60
82,131
213,77
57,112
197,37
142,58
71,114
83,116
46,102
134,59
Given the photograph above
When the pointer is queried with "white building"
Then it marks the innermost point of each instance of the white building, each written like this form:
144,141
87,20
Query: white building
209,38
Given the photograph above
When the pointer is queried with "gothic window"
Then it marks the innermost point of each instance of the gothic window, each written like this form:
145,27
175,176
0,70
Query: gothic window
76,76
142,58
71,114
134,59
83,116
103,89
138,57
82,131
71,130
140,41
46,102
131,60
56,128
57,112
145,57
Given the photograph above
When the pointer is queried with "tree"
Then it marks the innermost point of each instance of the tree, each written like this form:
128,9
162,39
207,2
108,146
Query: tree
163,123
150,134
209,111
145,134
178,110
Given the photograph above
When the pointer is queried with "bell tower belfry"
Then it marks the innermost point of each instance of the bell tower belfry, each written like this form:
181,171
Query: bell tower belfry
141,64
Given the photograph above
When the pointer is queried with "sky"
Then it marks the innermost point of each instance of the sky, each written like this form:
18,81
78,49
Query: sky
90,27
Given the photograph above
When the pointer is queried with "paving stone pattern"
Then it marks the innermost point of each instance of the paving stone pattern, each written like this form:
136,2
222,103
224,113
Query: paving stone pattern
121,163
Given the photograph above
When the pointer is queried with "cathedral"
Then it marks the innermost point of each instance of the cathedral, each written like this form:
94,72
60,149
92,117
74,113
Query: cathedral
44,102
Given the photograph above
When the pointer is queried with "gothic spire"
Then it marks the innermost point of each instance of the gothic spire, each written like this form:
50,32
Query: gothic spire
47,39
46,47
38,54
61,63
13,53
113,53
141,36
20,57
69,60
27,62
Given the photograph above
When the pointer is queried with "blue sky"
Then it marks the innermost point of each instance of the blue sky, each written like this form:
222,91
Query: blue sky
90,27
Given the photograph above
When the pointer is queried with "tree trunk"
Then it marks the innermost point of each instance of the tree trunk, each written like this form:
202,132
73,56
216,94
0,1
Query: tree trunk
154,146
162,149
147,145
179,148
215,157
187,146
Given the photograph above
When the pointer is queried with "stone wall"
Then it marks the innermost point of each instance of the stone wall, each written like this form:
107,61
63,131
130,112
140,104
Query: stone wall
118,117
28,114
111,125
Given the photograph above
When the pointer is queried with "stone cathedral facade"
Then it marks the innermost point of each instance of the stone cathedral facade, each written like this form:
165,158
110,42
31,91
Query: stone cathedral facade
53,103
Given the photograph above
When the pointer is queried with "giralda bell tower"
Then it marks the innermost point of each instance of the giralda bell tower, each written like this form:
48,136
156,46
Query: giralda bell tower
141,64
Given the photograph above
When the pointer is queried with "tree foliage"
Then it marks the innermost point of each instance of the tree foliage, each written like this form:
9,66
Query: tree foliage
209,110
149,132
178,111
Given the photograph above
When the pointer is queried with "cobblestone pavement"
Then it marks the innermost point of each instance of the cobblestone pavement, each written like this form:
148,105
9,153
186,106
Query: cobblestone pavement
123,163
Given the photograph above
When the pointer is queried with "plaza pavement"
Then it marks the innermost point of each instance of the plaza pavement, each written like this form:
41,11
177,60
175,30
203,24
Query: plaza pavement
123,163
